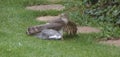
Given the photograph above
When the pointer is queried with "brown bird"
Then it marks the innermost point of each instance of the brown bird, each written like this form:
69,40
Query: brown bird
62,24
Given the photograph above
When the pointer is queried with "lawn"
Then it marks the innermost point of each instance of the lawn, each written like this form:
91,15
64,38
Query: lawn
14,20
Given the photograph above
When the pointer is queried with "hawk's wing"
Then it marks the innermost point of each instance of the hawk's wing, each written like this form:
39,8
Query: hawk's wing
35,29
70,28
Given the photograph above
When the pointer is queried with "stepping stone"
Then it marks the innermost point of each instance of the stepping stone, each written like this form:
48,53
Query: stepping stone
46,7
54,1
111,42
87,29
47,18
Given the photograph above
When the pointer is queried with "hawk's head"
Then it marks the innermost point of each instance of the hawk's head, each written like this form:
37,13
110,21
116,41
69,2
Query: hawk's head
64,17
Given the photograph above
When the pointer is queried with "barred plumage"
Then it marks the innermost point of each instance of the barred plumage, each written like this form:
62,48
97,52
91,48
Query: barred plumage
70,28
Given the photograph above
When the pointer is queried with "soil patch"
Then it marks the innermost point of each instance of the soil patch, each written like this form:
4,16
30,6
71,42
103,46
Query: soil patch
115,42
47,18
46,7
54,1
87,29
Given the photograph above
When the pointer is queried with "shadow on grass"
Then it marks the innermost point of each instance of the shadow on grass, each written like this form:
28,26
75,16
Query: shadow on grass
70,37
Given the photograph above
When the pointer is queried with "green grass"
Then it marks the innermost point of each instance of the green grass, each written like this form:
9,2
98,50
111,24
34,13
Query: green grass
14,20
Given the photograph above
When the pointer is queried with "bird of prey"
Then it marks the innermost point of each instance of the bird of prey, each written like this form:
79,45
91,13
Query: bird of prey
62,24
